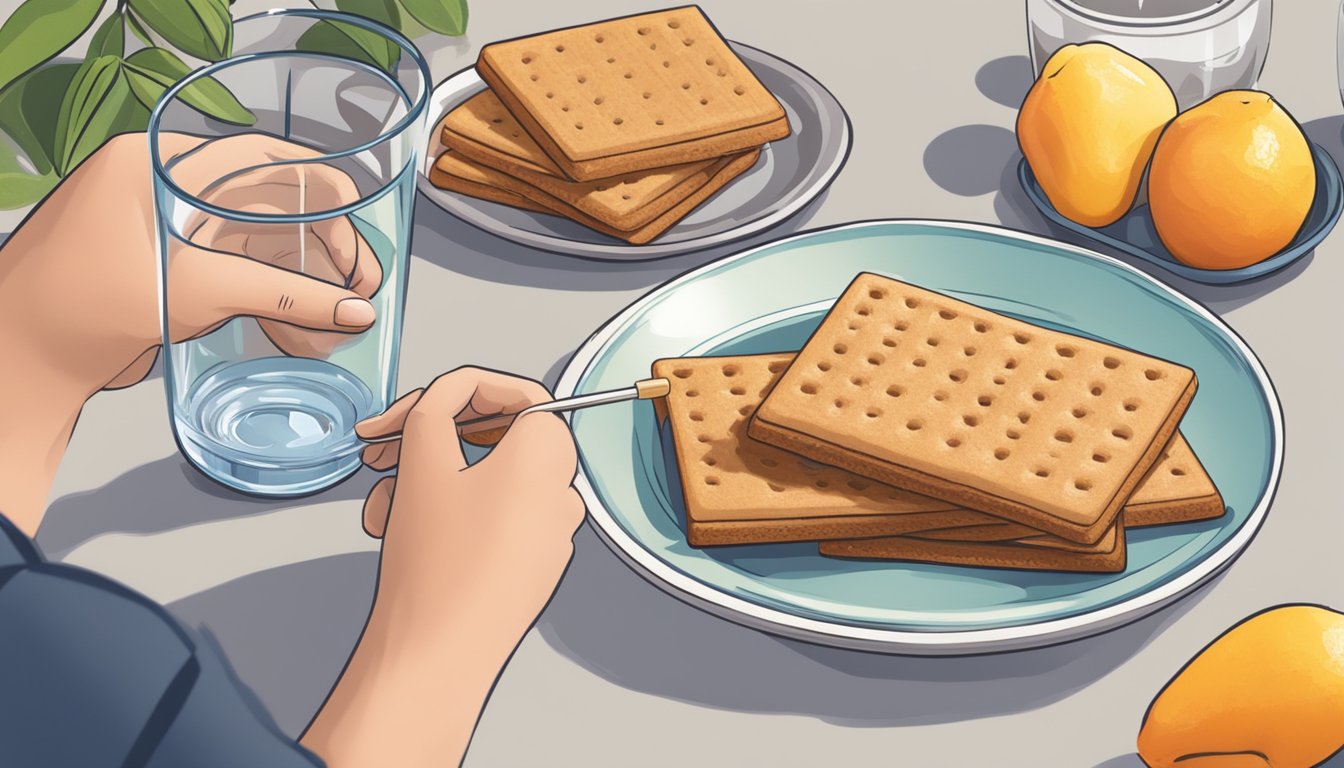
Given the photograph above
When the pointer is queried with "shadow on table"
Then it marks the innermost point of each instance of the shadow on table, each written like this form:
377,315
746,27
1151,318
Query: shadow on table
163,495
615,624
287,631
1005,80
448,242
974,160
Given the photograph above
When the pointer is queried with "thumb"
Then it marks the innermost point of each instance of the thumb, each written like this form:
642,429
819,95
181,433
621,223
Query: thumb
207,287
538,446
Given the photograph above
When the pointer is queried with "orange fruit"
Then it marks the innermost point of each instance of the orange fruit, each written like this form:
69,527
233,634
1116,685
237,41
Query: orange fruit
1088,127
1268,692
1231,182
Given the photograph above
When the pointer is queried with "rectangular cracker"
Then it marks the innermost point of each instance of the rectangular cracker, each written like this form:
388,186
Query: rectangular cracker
484,130
919,390
634,93
737,490
1037,553
1176,490
461,175
446,174
626,202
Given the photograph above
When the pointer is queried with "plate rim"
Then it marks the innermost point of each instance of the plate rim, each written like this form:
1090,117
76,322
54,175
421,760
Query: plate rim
1026,178
907,642
462,81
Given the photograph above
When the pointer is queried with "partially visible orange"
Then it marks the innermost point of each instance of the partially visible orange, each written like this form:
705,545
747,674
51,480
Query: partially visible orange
1268,692
1231,182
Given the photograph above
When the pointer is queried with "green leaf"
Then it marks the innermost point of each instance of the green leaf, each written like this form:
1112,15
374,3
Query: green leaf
133,118
447,17
138,29
29,111
337,39
352,42
382,11
151,71
19,185
200,28
97,105
110,39
347,41
40,29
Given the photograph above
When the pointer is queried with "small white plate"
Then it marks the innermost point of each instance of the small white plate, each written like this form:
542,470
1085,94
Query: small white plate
790,174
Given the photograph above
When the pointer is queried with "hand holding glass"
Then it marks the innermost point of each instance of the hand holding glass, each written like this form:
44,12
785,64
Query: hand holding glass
321,185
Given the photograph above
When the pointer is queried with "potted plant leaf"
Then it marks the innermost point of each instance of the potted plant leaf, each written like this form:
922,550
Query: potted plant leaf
56,112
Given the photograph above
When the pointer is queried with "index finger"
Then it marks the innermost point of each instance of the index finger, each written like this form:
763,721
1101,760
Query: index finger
389,421
429,435
351,254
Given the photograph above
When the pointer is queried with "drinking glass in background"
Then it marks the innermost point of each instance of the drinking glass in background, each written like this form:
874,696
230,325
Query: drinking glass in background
1339,50
1201,47
321,182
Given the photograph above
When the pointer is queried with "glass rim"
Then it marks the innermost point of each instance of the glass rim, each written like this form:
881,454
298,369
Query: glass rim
414,114
1153,24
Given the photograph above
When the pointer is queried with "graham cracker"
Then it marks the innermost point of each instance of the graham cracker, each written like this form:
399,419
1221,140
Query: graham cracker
634,93
925,392
737,490
482,129
1176,490
442,175
626,202
462,175
1037,553
1178,474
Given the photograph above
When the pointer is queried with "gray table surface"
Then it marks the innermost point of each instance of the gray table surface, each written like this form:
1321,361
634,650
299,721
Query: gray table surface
616,673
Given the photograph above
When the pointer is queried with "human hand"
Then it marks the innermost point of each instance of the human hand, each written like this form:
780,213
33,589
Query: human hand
78,278
259,174
479,547
470,557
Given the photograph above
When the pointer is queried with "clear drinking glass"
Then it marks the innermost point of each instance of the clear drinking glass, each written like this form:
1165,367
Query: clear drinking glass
322,183
1201,47
1339,50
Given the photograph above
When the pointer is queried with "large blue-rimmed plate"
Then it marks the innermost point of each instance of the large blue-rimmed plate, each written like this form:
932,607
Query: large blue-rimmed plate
770,298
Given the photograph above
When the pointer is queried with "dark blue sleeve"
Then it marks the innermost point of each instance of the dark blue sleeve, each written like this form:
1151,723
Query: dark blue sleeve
92,674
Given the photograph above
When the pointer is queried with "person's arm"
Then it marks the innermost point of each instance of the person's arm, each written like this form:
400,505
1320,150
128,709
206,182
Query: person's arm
470,557
38,410
408,701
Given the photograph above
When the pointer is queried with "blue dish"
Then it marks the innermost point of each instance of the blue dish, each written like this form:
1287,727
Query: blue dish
770,298
1135,235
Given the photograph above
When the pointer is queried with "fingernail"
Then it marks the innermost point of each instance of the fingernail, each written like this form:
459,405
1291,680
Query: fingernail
353,313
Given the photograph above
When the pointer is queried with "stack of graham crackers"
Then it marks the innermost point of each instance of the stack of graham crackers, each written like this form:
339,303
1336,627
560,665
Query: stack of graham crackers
916,427
624,126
